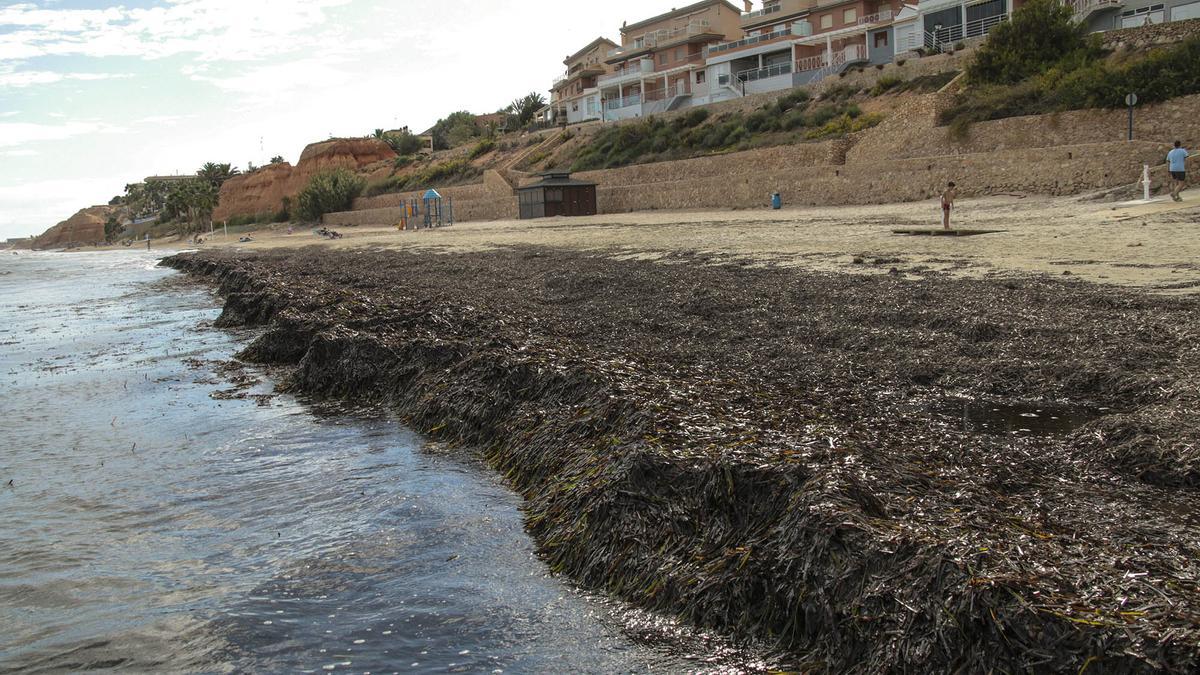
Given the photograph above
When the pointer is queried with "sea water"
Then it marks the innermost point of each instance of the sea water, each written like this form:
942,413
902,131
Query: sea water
168,513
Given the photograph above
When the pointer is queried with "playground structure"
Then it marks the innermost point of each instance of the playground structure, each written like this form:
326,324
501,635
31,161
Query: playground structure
431,210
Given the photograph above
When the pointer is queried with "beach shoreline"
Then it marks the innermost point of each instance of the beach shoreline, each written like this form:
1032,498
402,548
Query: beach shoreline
776,452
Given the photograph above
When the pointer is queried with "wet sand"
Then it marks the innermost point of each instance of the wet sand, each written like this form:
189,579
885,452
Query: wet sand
1150,246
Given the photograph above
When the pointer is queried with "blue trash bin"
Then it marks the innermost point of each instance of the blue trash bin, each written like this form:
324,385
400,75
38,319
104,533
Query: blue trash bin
776,201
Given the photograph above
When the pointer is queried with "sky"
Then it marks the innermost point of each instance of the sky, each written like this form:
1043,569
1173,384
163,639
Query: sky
95,95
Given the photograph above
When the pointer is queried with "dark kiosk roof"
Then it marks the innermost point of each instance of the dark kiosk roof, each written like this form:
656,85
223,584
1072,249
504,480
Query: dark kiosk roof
556,179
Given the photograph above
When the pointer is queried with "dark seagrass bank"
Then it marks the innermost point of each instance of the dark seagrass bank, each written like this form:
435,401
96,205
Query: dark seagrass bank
779,454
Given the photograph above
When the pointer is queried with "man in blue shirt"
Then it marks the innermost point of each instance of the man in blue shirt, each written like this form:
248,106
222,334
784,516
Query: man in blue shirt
1177,159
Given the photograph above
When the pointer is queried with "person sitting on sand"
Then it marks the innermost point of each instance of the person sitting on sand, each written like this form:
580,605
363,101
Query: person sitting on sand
948,197
1177,159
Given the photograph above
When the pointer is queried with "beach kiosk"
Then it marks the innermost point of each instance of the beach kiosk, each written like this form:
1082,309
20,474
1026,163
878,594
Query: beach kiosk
557,194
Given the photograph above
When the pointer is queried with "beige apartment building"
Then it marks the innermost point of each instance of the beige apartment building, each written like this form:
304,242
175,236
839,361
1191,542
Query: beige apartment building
575,97
660,64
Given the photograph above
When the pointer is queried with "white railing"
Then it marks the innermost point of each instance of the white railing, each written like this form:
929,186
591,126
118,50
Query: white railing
618,103
644,67
811,63
971,29
717,49
755,74
1085,8
659,37
769,9
559,80
850,54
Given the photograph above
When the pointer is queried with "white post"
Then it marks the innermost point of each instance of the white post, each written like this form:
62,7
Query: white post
1146,181
226,224
828,51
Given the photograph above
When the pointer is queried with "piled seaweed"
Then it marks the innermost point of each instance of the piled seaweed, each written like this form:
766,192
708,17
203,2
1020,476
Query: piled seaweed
736,445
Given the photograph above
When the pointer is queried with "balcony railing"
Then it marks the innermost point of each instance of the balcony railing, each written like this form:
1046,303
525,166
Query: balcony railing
850,54
618,103
745,42
1085,8
662,37
769,9
971,29
642,67
755,74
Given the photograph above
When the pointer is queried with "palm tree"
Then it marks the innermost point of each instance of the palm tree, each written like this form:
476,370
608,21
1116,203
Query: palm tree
217,174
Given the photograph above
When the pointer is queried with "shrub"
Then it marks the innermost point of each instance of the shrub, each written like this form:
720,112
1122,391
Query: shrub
327,192
445,173
1040,34
403,161
901,62
844,124
1080,80
403,143
482,148
885,84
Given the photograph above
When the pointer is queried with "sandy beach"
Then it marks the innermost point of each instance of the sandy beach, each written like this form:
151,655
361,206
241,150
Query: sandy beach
1152,246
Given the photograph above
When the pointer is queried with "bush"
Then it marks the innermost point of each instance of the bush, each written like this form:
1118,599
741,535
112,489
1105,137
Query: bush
328,192
403,143
844,124
885,84
1080,80
445,173
482,148
1040,34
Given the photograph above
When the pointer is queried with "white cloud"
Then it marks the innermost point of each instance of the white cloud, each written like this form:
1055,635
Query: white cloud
217,30
14,134
19,153
27,78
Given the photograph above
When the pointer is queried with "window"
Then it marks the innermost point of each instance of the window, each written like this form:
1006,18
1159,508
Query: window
881,39
826,21
679,54
662,58
591,105
1188,11
1143,16
699,77
849,16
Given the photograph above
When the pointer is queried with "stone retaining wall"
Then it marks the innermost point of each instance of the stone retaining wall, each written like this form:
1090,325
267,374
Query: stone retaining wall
1060,171
913,131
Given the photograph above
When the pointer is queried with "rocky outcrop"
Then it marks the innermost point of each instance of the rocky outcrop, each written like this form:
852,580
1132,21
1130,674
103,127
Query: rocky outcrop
84,228
264,190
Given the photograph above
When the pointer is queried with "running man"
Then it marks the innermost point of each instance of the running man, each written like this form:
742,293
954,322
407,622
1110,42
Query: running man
1177,159
948,197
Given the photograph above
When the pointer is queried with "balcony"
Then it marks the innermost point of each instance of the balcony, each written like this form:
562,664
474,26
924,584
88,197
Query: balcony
759,13
777,11
755,74
1084,9
659,38
746,42
626,102
630,73
949,35
878,17
851,54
